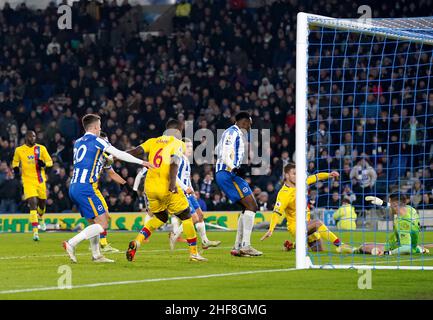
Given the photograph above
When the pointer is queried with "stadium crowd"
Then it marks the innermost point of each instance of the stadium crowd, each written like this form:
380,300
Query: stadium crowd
220,58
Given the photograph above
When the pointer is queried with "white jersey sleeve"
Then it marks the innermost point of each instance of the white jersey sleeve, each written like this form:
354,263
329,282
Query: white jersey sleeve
230,149
184,174
102,144
122,155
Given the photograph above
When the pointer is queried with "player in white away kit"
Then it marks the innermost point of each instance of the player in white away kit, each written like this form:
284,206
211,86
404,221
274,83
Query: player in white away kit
184,180
230,153
83,190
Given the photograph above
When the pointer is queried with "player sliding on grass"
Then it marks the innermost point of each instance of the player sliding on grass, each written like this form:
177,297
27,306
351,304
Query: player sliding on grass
83,190
286,204
405,236
162,190
184,180
33,158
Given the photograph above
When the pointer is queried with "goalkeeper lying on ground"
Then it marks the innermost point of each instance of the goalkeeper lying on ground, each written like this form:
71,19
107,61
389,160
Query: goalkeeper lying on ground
404,239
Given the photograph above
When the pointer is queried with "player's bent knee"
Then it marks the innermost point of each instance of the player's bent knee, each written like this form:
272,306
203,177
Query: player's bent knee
316,246
162,215
102,220
316,223
252,206
199,213
185,214
195,217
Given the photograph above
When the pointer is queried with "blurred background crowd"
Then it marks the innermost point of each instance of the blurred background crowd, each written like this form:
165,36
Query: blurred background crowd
221,57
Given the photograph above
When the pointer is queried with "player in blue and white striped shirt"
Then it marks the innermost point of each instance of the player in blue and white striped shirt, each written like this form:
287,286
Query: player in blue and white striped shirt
230,153
83,190
184,180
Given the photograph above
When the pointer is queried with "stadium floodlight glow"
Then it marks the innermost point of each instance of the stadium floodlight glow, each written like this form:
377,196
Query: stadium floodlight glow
384,65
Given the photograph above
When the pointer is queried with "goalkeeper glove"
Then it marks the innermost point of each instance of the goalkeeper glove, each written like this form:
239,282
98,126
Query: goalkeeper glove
374,200
41,164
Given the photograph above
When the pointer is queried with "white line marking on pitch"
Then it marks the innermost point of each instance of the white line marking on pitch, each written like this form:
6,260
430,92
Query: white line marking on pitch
395,260
102,284
84,254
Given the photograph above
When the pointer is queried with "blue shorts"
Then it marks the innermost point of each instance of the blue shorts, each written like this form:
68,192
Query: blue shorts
88,199
233,186
193,203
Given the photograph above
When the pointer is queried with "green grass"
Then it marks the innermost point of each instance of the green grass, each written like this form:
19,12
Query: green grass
25,264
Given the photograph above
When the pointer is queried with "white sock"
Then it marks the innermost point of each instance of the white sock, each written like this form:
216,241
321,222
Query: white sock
147,217
239,234
89,232
201,228
175,222
94,244
178,231
248,227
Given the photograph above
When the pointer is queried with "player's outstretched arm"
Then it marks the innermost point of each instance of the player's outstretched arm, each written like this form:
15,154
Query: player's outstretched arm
322,176
137,152
116,177
334,174
274,221
124,156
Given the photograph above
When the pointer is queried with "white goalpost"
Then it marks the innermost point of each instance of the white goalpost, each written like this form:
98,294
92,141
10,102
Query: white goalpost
354,78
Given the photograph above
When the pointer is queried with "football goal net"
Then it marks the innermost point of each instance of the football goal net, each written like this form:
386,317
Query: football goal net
364,109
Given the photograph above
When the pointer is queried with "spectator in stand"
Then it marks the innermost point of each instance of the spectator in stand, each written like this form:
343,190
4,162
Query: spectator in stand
216,204
53,48
265,89
127,205
207,186
182,14
364,179
200,201
348,194
334,203
63,204
413,135
238,4
263,202
10,193
417,194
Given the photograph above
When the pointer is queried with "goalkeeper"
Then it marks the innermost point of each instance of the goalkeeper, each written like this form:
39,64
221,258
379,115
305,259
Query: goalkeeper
404,239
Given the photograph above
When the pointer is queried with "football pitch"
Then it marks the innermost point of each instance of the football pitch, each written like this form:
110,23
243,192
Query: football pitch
30,270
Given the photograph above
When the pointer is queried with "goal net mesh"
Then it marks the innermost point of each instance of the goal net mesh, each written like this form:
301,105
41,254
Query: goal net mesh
370,118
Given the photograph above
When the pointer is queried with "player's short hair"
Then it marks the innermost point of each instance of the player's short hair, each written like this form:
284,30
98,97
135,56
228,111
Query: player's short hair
289,167
89,119
172,124
401,197
242,115
346,200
